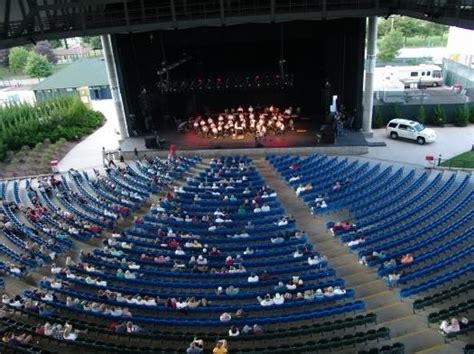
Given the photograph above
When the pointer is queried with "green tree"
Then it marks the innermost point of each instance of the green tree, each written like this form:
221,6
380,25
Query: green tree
462,116
421,115
397,111
17,58
433,29
38,66
55,43
439,116
389,45
93,41
378,120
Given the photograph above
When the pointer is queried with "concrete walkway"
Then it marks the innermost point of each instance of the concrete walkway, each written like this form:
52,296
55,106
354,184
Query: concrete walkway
88,153
406,327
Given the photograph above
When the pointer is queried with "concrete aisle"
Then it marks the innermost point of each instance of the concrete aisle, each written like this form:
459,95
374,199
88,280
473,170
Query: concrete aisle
406,327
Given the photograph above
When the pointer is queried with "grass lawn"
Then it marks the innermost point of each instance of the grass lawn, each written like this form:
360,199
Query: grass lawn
6,74
431,41
465,160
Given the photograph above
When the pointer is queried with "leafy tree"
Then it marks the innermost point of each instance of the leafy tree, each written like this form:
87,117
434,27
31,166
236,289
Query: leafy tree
433,29
55,43
389,45
4,53
44,48
94,42
18,58
421,117
38,65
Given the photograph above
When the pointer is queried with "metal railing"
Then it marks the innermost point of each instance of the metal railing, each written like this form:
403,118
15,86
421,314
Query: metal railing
173,13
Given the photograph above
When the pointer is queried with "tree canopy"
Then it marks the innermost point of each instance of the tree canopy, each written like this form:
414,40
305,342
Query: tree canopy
17,59
38,65
93,41
389,45
44,48
410,27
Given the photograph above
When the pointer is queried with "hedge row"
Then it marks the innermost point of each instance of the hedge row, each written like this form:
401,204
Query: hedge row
26,124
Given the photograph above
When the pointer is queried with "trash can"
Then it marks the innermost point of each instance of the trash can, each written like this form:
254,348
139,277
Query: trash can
54,166
430,163
457,88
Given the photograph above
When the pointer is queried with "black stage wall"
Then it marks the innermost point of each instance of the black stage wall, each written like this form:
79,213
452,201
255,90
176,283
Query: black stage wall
315,52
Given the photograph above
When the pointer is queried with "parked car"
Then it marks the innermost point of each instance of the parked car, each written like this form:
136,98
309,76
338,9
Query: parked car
409,129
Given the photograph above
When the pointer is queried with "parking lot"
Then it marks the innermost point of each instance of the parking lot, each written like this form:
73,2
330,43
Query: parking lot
451,141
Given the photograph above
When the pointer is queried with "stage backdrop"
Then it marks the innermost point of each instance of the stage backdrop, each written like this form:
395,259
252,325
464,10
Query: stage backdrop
314,53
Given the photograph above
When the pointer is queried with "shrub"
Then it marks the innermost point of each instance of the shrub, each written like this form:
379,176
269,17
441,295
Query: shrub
23,126
421,117
378,120
471,115
462,116
439,116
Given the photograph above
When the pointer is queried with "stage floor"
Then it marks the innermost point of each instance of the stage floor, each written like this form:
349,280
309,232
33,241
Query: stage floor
192,141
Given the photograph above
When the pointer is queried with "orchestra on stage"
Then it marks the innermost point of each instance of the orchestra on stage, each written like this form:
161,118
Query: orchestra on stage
240,122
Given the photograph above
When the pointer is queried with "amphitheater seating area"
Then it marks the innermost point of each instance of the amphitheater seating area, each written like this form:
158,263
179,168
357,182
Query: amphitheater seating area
149,255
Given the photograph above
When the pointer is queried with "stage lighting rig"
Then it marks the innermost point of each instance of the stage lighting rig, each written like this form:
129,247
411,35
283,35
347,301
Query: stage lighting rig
164,73
167,68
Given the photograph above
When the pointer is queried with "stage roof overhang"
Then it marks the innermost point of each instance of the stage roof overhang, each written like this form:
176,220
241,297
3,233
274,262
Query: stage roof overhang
25,21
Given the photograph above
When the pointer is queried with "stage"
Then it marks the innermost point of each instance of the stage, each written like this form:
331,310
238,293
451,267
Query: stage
299,141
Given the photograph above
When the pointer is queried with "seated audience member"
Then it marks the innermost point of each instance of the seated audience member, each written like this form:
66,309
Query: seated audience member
266,301
232,290
246,329
464,323
355,242
196,347
392,279
257,329
225,317
234,332
408,258
342,226
221,347
253,278
449,327
373,257
278,299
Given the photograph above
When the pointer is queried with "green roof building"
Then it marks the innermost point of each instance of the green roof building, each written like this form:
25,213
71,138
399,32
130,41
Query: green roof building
86,72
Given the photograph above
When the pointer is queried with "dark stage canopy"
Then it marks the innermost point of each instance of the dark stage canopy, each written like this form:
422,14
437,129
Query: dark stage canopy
188,72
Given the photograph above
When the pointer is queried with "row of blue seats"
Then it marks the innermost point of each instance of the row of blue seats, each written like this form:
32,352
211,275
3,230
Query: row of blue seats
439,280
278,319
433,253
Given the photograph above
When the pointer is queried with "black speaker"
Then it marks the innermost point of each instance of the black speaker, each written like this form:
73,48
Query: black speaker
150,143
328,135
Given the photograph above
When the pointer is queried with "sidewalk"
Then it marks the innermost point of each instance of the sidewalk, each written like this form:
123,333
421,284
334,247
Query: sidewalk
88,153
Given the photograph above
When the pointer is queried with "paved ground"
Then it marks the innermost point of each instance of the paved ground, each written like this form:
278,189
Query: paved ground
451,142
88,153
